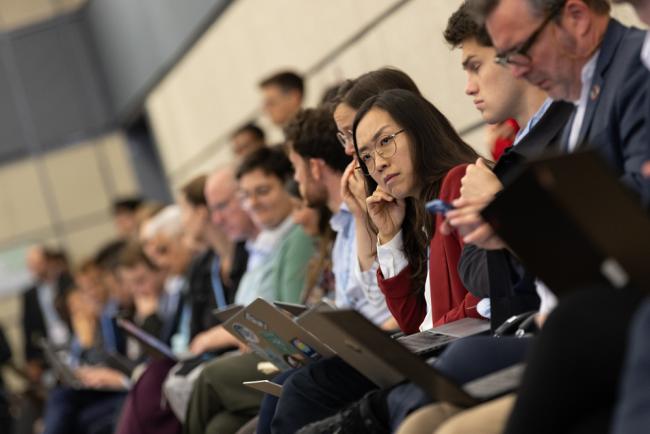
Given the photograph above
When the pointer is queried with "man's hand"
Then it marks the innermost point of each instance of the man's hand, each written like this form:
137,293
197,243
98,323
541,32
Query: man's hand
645,169
212,339
466,219
479,181
97,377
34,371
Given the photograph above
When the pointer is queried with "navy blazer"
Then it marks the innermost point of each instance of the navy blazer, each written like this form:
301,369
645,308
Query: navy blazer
614,121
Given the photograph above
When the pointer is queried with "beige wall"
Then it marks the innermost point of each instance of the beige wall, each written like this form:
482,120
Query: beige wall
214,88
64,197
18,13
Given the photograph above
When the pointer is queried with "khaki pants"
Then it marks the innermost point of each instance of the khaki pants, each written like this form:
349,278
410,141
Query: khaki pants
220,403
488,418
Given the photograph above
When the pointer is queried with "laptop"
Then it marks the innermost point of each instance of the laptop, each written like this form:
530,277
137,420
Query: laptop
572,223
158,349
387,362
62,371
433,340
223,314
275,336
294,309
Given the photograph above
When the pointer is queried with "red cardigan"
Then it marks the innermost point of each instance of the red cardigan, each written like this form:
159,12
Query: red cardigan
449,298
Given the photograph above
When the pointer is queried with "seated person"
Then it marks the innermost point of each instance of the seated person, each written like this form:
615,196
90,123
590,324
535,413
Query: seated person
220,403
44,309
394,149
162,239
104,372
279,253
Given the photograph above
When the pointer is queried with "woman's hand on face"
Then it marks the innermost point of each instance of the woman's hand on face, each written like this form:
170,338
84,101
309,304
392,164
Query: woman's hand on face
387,213
353,190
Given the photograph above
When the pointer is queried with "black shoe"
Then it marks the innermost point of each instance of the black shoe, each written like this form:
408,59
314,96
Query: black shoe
355,419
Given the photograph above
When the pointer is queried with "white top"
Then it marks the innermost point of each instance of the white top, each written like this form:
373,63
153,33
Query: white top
587,77
548,300
57,331
645,51
267,240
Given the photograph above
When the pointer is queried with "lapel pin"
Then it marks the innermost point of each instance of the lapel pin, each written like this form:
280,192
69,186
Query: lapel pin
595,91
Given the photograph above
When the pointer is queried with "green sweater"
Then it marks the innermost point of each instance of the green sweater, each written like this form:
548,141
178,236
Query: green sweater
281,277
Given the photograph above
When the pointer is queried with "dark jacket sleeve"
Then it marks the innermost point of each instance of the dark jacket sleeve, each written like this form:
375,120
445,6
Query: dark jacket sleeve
33,326
473,270
5,349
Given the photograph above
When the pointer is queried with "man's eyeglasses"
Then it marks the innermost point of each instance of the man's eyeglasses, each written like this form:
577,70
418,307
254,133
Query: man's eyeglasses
344,137
519,56
385,147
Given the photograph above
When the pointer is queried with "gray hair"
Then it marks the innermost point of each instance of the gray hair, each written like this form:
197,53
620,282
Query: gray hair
167,222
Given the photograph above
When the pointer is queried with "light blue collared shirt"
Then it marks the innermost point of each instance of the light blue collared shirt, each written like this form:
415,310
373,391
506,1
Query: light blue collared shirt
350,290
533,120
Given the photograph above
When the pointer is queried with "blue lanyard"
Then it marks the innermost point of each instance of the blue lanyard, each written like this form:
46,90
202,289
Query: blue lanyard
217,286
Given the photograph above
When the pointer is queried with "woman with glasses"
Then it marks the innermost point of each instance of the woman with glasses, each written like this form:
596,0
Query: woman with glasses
351,96
414,155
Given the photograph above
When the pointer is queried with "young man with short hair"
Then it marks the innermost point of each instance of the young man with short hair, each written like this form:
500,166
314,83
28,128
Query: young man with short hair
247,139
282,95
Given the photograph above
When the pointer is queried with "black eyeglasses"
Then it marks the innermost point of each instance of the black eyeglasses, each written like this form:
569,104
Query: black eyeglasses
519,56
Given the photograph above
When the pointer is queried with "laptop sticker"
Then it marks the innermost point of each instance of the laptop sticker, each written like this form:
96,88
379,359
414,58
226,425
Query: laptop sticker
245,333
278,342
261,324
305,349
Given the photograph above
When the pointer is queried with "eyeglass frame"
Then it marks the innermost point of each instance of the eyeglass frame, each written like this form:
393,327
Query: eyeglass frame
505,59
391,137
344,137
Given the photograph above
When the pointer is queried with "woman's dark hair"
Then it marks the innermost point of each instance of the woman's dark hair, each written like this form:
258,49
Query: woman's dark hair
354,92
435,149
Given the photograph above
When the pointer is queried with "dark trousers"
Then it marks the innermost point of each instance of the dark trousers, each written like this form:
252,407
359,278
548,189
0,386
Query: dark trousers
633,409
317,391
269,404
464,360
571,382
70,411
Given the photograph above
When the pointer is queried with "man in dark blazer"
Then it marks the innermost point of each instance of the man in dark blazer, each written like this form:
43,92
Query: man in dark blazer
577,53
35,326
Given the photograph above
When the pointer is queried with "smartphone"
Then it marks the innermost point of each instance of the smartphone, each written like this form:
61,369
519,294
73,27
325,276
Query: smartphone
438,206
